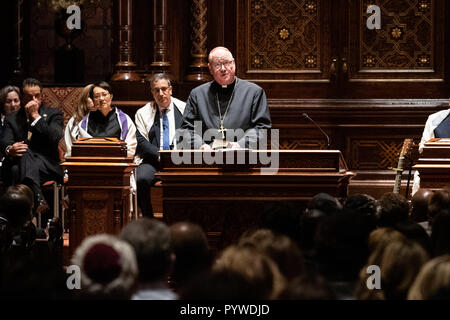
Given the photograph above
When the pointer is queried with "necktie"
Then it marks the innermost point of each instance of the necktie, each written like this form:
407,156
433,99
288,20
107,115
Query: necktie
166,133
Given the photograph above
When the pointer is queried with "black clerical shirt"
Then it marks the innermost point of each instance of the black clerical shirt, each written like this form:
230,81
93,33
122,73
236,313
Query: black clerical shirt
101,126
224,95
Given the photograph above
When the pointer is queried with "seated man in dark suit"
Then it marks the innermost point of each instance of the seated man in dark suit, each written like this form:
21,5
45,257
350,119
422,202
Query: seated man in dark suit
156,123
30,142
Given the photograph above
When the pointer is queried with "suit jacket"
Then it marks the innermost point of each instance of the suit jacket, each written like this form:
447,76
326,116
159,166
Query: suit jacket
2,128
46,134
148,131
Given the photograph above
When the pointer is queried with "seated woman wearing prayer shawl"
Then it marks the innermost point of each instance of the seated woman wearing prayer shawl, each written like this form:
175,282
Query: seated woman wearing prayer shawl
105,121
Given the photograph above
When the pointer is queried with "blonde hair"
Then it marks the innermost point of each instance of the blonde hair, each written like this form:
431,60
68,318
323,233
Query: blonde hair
82,108
381,237
256,268
433,276
400,261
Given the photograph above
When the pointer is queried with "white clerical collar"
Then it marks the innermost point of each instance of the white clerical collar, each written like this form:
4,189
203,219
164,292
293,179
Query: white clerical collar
224,86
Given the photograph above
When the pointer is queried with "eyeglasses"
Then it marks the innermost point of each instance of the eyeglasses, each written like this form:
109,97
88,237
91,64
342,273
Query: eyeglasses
101,95
163,89
226,64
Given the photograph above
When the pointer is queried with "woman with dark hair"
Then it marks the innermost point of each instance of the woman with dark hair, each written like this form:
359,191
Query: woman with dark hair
9,103
107,120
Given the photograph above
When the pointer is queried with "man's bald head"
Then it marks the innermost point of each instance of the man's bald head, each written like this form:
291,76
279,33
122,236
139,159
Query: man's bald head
191,249
419,202
221,65
219,51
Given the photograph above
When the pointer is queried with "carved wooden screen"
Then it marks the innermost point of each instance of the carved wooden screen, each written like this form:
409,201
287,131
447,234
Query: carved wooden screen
279,40
409,45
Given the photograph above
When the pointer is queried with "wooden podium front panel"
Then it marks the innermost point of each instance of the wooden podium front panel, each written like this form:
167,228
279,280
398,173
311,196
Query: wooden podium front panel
99,200
227,202
98,188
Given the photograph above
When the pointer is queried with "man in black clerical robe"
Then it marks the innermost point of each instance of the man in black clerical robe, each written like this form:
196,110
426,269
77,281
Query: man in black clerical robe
233,110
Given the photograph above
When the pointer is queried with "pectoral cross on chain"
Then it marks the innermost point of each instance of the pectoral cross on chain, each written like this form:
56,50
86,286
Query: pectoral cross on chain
222,129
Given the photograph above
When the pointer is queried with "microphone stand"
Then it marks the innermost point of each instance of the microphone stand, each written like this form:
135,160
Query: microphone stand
305,115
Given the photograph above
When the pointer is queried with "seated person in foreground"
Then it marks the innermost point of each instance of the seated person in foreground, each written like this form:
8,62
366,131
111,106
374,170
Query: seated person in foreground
234,109
30,142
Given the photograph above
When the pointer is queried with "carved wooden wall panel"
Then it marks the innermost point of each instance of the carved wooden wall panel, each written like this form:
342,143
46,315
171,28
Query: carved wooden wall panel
282,39
408,45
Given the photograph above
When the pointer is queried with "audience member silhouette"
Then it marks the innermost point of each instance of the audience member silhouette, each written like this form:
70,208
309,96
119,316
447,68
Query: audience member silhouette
282,218
364,204
392,208
238,274
399,263
414,231
433,280
108,268
152,244
280,248
311,286
191,249
419,208
439,201
341,249
440,233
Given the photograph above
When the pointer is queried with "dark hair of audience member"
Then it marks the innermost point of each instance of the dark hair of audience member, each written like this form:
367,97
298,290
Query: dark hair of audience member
311,286
414,231
191,249
33,276
341,246
440,233
16,205
392,208
325,203
366,205
419,205
152,245
282,218
280,248
238,274
399,263
440,200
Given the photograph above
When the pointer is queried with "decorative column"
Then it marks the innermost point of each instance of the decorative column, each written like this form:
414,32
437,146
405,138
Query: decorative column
124,69
160,62
18,72
198,69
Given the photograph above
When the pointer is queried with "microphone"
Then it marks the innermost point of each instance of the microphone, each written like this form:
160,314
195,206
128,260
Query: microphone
305,115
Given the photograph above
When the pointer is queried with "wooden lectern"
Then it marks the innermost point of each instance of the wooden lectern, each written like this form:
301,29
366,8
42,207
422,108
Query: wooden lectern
434,164
229,196
98,188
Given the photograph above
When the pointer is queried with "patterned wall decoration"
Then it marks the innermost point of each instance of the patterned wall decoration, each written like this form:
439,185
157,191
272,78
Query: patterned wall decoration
283,35
303,144
404,41
63,98
373,154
